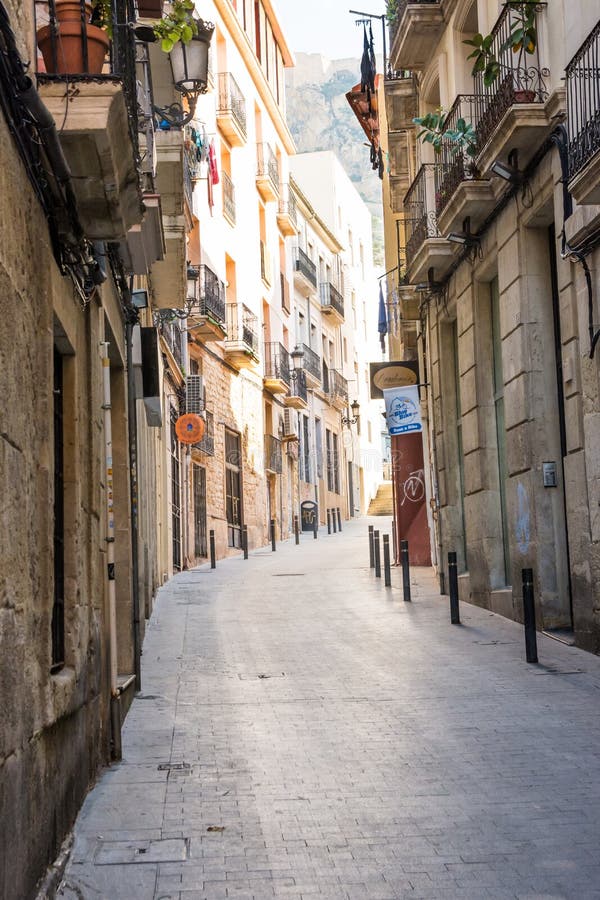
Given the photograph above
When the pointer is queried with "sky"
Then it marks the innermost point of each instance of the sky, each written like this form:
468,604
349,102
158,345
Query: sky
326,26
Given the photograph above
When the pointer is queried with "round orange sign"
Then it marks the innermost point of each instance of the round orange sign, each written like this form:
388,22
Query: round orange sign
190,428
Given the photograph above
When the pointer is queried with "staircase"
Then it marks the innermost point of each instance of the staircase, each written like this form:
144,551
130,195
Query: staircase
381,504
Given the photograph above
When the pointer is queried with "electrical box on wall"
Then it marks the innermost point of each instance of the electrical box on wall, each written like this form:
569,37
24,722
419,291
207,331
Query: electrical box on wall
549,471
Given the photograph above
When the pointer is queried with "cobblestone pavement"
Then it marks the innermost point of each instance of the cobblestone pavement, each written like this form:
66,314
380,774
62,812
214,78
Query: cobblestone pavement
304,733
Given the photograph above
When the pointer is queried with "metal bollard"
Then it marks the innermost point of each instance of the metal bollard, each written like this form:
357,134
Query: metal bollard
377,554
296,530
339,518
333,522
245,540
213,555
529,617
273,545
328,521
315,528
386,561
405,570
453,581
371,549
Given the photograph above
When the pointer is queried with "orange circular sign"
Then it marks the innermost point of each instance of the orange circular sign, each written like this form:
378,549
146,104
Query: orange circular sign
190,428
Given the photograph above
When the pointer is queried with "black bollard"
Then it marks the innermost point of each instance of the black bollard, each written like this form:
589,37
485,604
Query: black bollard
339,518
315,528
333,522
273,545
386,561
377,554
213,555
453,581
245,540
296,530
328,521
529,617
405,570
371,549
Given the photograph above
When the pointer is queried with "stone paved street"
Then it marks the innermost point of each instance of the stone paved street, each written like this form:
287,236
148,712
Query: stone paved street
302,732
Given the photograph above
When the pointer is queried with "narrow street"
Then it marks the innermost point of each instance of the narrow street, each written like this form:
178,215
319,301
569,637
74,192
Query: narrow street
302,732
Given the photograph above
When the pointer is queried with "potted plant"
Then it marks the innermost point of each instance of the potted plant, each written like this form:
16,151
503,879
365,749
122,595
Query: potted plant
463,136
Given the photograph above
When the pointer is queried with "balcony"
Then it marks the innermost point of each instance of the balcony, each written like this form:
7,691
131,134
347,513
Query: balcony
460,191
416,32
583,120
206,446
231,110
305,272
99,135
297,397
312,367
169,278
402,165
332,303
513,112
276,377
401,102
273,455
266,265
241,343
175,339
287,220
207,298
424,245
267,173
338,389
228,198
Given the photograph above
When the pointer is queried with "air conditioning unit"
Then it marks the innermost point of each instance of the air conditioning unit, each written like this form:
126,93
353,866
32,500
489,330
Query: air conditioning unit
195,396
290,425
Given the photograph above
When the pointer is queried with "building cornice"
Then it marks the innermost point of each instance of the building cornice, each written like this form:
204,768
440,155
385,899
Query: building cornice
242,42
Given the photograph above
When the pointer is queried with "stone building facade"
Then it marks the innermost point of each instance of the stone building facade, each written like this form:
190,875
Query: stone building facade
496,248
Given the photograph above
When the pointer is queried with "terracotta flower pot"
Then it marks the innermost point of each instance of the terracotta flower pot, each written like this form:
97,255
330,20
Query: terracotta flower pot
524,96
68,44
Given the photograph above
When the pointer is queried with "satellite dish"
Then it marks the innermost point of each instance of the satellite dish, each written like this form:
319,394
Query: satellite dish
190,428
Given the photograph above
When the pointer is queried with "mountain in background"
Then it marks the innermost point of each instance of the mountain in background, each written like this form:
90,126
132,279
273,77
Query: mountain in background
320,118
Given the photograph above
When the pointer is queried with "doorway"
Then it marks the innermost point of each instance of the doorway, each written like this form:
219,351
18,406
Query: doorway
233,488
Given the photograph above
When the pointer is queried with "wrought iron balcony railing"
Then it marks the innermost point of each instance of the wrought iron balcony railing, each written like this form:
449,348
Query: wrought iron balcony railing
232,101
298,385
420,219
287,204
312,362
273,454
304,264
338,386
210,296
456,164
521,78
583,103
228,197
207,444
277,362
242,325
331,298
175,339
267,165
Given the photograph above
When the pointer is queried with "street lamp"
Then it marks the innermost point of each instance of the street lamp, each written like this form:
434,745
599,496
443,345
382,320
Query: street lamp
353,419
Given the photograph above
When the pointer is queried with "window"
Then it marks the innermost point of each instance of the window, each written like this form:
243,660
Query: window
319,443
333,475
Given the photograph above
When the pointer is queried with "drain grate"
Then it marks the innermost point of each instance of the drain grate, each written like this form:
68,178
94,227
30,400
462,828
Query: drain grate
184,768
289,575
260,676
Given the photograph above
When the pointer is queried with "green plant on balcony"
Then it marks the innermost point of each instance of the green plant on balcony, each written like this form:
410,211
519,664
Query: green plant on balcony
391,11
176,25
433,131
522,39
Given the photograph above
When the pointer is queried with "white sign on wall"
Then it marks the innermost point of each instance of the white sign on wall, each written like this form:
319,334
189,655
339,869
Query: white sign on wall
403,410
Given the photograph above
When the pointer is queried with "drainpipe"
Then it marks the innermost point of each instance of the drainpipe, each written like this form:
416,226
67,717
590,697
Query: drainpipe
115,699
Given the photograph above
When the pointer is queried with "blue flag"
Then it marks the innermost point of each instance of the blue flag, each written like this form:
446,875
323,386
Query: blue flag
383,325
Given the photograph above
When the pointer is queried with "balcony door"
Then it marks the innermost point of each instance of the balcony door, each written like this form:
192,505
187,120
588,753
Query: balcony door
199,486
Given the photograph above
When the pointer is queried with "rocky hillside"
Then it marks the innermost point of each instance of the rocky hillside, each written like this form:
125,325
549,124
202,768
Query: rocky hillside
321,119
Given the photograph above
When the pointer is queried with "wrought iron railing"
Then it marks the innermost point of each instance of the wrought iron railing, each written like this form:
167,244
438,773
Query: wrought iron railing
583,103
267,165
311,362
174,338
457,164
304,264
277,361
338,386
287,204
232,101
210,296
298,385
121,62
228,197
331,298
242,325
420,219
273,454
521,77
207,444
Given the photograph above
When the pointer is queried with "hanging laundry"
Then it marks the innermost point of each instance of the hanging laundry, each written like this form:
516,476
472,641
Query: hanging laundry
213,172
